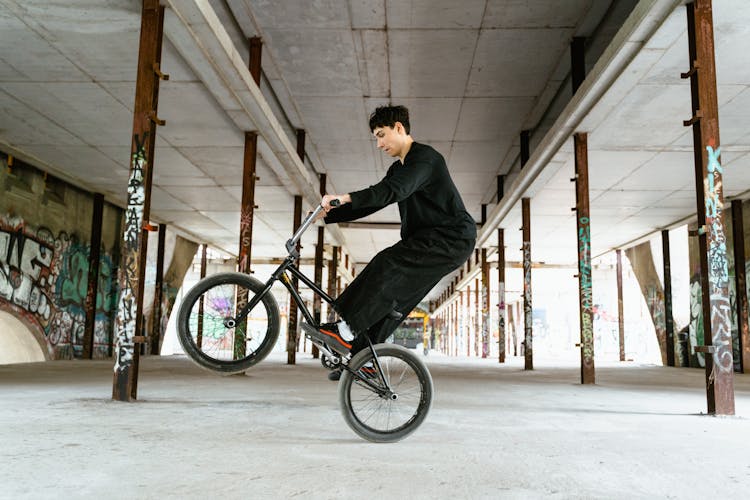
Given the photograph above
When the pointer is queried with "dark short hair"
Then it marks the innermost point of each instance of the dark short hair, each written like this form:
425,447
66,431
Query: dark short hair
387,116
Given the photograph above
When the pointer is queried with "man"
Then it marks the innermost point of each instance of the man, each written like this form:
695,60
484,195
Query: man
437,236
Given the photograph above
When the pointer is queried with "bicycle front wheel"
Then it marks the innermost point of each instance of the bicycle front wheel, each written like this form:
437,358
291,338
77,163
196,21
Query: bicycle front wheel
207,330
387,404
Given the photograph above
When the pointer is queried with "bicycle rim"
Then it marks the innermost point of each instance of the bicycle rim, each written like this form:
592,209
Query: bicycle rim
382,416
214,341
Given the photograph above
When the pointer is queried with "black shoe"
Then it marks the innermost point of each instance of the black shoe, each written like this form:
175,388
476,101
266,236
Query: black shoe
328,334
335,375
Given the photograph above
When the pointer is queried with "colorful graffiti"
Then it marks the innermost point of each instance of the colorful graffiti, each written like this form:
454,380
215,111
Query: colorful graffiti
528,320
718,268
43,278
128,277
485,315
585,290
501,320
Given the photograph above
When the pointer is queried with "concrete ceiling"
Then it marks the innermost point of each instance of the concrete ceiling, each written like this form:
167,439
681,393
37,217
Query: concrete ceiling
473,73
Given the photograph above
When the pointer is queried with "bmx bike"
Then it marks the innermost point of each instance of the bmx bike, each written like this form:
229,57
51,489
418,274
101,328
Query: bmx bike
230,321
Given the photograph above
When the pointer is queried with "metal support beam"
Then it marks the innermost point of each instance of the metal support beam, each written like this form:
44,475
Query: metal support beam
156,331
317,302
332,270
710,195
247,214
501,295
92,290
204,261
524,147
247,208
477,318
578,62
668,320
738,233
132,269
620,309
527,309
485,305
583,223
292,340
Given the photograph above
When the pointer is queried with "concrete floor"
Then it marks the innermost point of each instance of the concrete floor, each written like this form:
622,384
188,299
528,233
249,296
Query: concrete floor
494,432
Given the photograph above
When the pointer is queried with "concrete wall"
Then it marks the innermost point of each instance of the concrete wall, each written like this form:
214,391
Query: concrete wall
45,230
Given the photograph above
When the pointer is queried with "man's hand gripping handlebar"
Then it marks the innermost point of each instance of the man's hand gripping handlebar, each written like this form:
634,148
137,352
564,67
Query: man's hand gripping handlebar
291,244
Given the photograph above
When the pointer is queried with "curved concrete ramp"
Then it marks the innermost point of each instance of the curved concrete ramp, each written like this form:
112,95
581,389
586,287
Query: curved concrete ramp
18,344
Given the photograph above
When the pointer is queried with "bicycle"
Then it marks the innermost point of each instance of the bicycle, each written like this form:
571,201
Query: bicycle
228,322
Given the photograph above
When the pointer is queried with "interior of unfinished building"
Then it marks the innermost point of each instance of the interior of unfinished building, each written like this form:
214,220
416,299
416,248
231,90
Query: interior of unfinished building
594,345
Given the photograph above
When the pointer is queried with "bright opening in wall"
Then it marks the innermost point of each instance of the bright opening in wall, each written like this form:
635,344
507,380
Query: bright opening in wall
18,343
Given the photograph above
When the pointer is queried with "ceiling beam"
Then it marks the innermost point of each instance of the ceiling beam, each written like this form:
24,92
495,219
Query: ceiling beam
203,42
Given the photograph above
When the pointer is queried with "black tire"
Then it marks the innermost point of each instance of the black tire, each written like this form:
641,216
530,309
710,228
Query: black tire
215,350
377,417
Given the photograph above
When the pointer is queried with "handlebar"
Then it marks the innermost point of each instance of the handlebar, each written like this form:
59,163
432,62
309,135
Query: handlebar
292,242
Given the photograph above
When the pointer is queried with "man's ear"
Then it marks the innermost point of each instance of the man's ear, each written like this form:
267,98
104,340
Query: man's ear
399,127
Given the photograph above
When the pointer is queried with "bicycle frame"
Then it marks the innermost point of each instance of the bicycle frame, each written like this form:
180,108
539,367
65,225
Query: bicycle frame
280,274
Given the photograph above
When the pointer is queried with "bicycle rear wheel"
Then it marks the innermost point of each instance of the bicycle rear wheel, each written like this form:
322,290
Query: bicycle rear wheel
206,330
376,413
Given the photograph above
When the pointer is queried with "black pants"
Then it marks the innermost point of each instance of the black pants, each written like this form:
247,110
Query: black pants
397,279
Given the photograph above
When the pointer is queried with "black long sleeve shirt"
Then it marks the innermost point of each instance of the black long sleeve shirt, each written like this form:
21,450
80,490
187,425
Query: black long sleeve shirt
426,195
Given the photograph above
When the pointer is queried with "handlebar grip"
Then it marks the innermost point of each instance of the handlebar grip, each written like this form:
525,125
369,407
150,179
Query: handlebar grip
335,202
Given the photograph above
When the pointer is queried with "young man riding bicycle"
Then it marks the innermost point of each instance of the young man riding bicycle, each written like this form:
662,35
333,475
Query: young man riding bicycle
437,236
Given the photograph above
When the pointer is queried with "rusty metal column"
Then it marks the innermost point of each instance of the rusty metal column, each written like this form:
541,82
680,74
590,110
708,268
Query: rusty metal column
291,335
156,331
204,258
710,195
584,257
620,308
528,349
577,62
485,305
92,290
247,204
332,272
738,232
249,177
669,321
317,302
132,269
477,318
501,294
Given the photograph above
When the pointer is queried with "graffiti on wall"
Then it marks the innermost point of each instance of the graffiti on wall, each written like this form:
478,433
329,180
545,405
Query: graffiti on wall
718,268
43,278
527,308
587,302
128,278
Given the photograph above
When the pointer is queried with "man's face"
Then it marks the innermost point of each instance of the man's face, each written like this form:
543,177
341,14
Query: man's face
390,139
